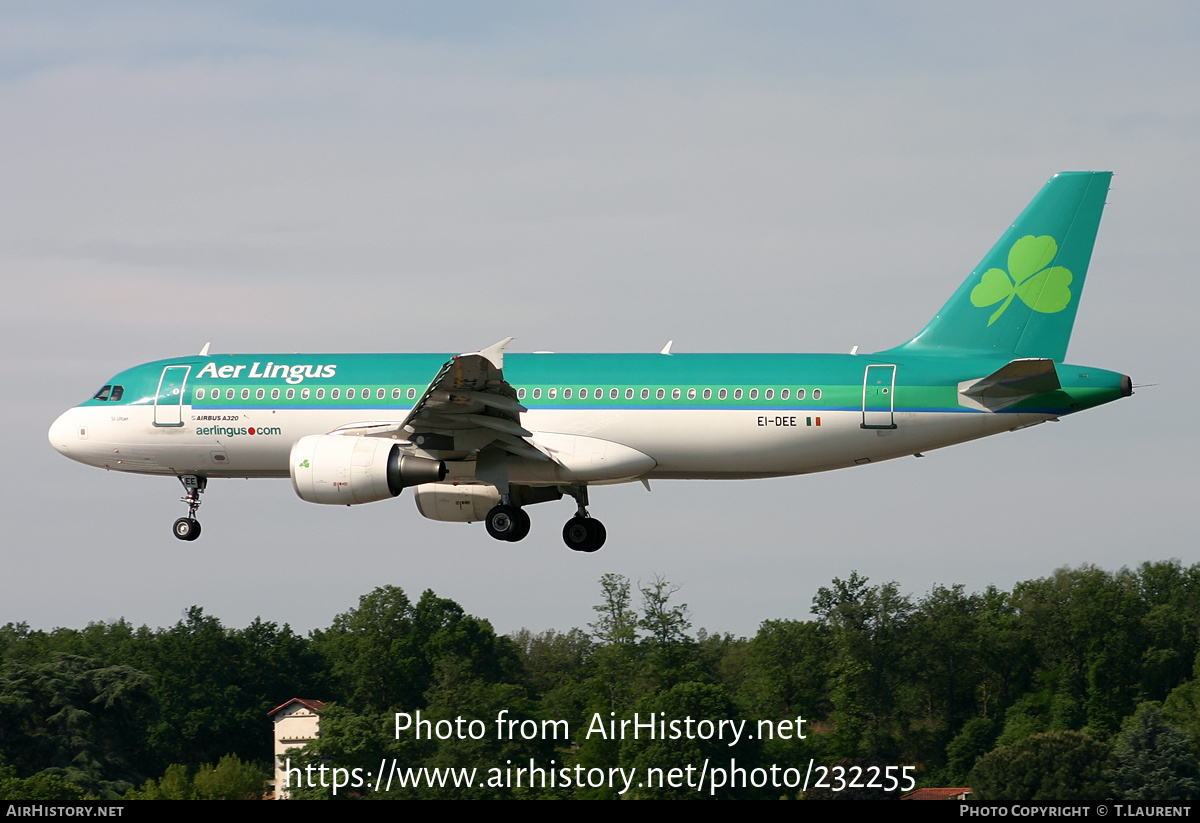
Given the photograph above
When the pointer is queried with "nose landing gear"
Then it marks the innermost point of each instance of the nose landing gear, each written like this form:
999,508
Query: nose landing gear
188,528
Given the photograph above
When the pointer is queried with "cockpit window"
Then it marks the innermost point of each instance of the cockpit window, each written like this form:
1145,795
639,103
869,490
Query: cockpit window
116,393
103,393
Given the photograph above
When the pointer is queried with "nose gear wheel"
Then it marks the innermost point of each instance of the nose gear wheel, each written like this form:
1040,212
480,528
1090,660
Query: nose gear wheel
188,528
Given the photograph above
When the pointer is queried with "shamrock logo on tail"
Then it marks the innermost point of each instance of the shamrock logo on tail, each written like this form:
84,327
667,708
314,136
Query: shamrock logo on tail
1045,290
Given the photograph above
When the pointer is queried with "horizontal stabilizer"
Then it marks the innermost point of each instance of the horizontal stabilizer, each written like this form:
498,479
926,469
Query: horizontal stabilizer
1010,384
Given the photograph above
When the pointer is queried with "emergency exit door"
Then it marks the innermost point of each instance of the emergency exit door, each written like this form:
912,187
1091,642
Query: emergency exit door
879,393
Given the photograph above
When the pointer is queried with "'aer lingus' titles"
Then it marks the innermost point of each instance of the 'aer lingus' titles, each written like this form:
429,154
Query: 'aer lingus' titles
271,371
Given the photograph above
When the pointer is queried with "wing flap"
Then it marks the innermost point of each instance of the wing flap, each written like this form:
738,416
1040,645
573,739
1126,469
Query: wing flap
467,407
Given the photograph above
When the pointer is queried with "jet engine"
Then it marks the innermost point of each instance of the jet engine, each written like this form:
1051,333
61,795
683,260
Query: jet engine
456,503
344,470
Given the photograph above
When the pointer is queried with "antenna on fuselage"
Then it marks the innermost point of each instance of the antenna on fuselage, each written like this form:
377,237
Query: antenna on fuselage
204,351
667,348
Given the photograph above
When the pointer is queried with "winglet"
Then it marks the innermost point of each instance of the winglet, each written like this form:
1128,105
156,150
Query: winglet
495,352
667,348
204,351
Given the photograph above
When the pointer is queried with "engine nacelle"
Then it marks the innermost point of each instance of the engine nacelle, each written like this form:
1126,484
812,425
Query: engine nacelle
459,504
343,470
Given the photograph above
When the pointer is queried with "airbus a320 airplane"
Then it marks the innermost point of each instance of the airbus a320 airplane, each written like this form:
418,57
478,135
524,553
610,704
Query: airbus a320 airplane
490,435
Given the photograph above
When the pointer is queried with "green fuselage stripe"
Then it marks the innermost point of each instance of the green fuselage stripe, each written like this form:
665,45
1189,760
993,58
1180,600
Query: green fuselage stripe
828,382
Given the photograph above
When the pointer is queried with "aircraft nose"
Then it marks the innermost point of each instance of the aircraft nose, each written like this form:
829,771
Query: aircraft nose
67,429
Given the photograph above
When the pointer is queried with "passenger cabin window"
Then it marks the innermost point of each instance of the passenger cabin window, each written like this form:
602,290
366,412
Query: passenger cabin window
229,394
722,394
260,394
785,394
613,394
379,394
245,394
754,394
304,393
102,394
566,394
537,394
674,394
598,394
552,393
291,394
412,394
691,394
199,394
660,394
645,394
816,394
707,394
320,394
395,394
334,394
274,394
769,394
349,394
737,394
800,394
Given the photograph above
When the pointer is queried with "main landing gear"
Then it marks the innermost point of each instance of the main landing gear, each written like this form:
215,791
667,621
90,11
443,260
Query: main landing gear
188,528
583,533
507,522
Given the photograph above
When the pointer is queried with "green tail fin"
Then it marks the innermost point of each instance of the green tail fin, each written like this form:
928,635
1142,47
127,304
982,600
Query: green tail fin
1020,301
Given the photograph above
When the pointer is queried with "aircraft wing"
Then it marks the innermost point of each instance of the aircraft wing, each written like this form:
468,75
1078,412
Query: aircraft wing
466,408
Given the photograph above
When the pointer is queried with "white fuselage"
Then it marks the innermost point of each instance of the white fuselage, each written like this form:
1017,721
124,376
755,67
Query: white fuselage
682,443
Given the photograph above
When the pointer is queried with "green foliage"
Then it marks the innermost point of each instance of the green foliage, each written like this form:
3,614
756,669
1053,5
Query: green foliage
213,686
75,718
230,779
557,667
1182,710
1063,766
975,739
870,642
38,787
788,665
964,686
385,652
656,756
352,741
616,622
1152,761
665,624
